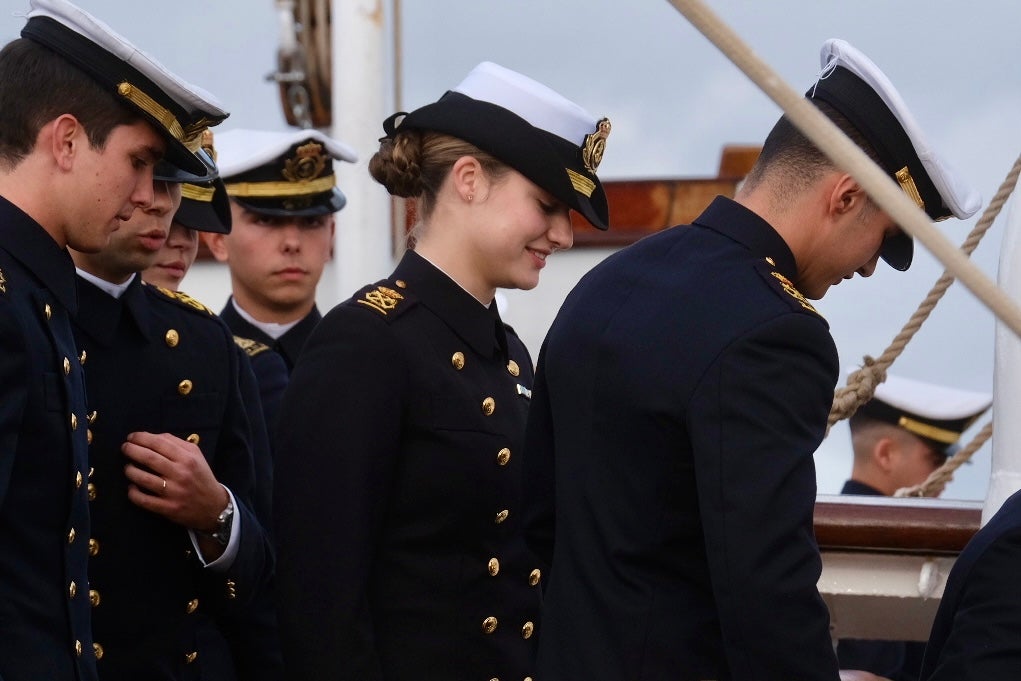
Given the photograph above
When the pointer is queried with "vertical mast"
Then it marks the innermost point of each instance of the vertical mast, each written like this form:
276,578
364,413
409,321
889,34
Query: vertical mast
363,244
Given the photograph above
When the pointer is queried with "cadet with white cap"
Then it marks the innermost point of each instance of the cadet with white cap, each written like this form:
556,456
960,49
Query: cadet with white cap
904,433
84,118
283,195
399,450
682,391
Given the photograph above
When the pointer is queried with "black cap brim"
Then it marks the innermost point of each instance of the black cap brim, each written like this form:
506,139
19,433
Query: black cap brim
898,251
326,203
202,215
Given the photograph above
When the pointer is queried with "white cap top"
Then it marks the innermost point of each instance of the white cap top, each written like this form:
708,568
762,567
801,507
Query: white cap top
541,106
190,97
240,150
931,401
962,200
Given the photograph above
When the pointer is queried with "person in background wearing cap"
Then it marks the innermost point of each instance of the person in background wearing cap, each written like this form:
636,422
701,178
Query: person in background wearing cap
283,199
679,397
172,487
900,436
399,449
81,129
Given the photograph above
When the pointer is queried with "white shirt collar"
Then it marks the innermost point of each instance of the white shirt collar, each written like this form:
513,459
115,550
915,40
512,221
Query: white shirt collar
115,290
271,329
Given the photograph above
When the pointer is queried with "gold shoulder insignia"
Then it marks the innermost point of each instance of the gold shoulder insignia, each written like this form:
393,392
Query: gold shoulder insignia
251,347
186,299
381,299
793,292
3,282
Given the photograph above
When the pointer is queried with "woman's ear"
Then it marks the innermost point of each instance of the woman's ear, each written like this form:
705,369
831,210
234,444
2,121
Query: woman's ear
468,178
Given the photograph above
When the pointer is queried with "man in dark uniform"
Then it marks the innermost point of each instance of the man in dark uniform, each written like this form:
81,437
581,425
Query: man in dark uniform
283,200
205,208
77,122
974,636
173,486
250,629
680,395
904,433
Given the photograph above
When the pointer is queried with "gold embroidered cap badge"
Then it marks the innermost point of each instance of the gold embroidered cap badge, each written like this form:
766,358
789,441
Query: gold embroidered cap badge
307,164
594,146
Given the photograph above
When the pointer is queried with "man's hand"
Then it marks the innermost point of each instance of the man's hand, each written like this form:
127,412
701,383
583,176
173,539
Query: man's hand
170,476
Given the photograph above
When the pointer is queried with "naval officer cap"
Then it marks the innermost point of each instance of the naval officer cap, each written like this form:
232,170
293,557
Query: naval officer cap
282,173
177,110
937,414
852,84
205,206
547,138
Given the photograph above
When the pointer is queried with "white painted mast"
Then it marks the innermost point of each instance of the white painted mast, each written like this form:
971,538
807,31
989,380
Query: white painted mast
363,245
1005,475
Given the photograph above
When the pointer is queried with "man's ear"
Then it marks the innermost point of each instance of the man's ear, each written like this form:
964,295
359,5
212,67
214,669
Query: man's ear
884,454
216,243
846,196
63,135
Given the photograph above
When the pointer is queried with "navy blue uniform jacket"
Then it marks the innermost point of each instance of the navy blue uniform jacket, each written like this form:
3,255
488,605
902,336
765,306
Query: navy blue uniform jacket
270,376
163,364
398,488
975,636
679,397
44,514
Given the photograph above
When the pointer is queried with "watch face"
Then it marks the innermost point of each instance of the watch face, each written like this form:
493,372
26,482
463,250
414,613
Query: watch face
224,523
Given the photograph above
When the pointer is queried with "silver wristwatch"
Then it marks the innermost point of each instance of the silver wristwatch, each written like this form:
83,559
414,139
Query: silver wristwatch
224,523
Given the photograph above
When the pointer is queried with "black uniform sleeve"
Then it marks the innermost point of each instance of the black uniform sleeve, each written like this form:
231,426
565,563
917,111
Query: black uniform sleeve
982,640
12,393
338,436
756,420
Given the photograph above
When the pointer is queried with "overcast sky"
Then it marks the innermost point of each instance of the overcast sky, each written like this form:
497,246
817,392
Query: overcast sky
674,101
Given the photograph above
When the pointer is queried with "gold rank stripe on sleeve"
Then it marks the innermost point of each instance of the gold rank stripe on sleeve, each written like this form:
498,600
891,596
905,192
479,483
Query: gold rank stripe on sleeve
251,347
381,299
793,292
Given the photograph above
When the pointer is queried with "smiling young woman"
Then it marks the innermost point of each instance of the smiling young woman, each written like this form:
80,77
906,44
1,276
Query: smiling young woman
399,450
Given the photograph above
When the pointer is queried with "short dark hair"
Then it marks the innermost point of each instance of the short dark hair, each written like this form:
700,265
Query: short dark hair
800,161
36,86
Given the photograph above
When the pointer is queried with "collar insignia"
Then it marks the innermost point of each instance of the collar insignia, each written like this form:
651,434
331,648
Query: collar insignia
595,145
186,299
306,165
382,299
793,292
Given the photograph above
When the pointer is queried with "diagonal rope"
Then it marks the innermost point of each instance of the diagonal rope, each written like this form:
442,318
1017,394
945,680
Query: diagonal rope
937,481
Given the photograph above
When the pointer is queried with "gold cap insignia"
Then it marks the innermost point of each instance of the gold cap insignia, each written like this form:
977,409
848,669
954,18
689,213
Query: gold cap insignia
382,299
3,282
307,164
793,292
594,146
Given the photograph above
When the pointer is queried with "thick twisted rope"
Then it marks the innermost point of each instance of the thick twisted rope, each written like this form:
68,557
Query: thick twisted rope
937,481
